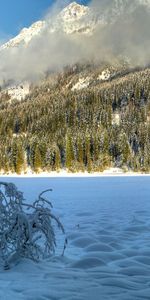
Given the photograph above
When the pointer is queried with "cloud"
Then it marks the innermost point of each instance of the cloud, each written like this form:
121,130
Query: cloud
127,35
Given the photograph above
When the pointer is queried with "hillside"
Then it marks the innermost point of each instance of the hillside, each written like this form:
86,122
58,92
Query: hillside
85,118
75,90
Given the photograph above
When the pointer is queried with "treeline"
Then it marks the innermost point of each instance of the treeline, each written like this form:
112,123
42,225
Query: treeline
104,125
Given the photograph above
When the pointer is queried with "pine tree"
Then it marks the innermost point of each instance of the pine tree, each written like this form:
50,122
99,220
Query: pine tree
37,160
80,153
48,160
13,156
69,152
125,149
57,164
20,160
88,153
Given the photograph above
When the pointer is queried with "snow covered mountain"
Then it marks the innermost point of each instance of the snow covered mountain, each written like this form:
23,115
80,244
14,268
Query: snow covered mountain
25,36
77,18
73,20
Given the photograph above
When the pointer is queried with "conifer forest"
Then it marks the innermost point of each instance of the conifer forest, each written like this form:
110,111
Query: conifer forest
106,124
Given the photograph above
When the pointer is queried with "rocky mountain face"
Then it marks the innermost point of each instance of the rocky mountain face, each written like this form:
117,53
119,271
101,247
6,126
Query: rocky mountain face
25,36
77,18
72,21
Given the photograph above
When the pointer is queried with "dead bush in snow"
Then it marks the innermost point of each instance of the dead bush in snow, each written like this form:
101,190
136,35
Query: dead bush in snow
26,230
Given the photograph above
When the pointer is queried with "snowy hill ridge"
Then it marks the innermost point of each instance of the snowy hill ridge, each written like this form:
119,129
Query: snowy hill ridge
68,20
25,36
73,11
73,20
76,18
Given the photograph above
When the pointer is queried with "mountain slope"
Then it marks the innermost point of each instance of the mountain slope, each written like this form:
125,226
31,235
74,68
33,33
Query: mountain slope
25,36
89,108
69,20
77,34
77,18
103,124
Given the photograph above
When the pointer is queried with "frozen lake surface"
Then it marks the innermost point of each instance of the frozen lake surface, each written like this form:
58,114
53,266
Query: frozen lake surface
107,222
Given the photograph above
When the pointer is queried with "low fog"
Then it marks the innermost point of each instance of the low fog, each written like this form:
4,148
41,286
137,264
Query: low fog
126,35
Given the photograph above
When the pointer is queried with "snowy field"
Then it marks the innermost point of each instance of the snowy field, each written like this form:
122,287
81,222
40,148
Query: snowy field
107,222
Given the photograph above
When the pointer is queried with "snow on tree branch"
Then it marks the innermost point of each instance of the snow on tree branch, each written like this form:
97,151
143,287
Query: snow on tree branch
26,230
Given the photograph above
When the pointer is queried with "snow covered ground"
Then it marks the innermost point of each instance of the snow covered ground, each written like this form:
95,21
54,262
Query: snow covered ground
64,173
107,221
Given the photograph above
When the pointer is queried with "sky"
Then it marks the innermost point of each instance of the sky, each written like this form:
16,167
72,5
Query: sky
16,14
